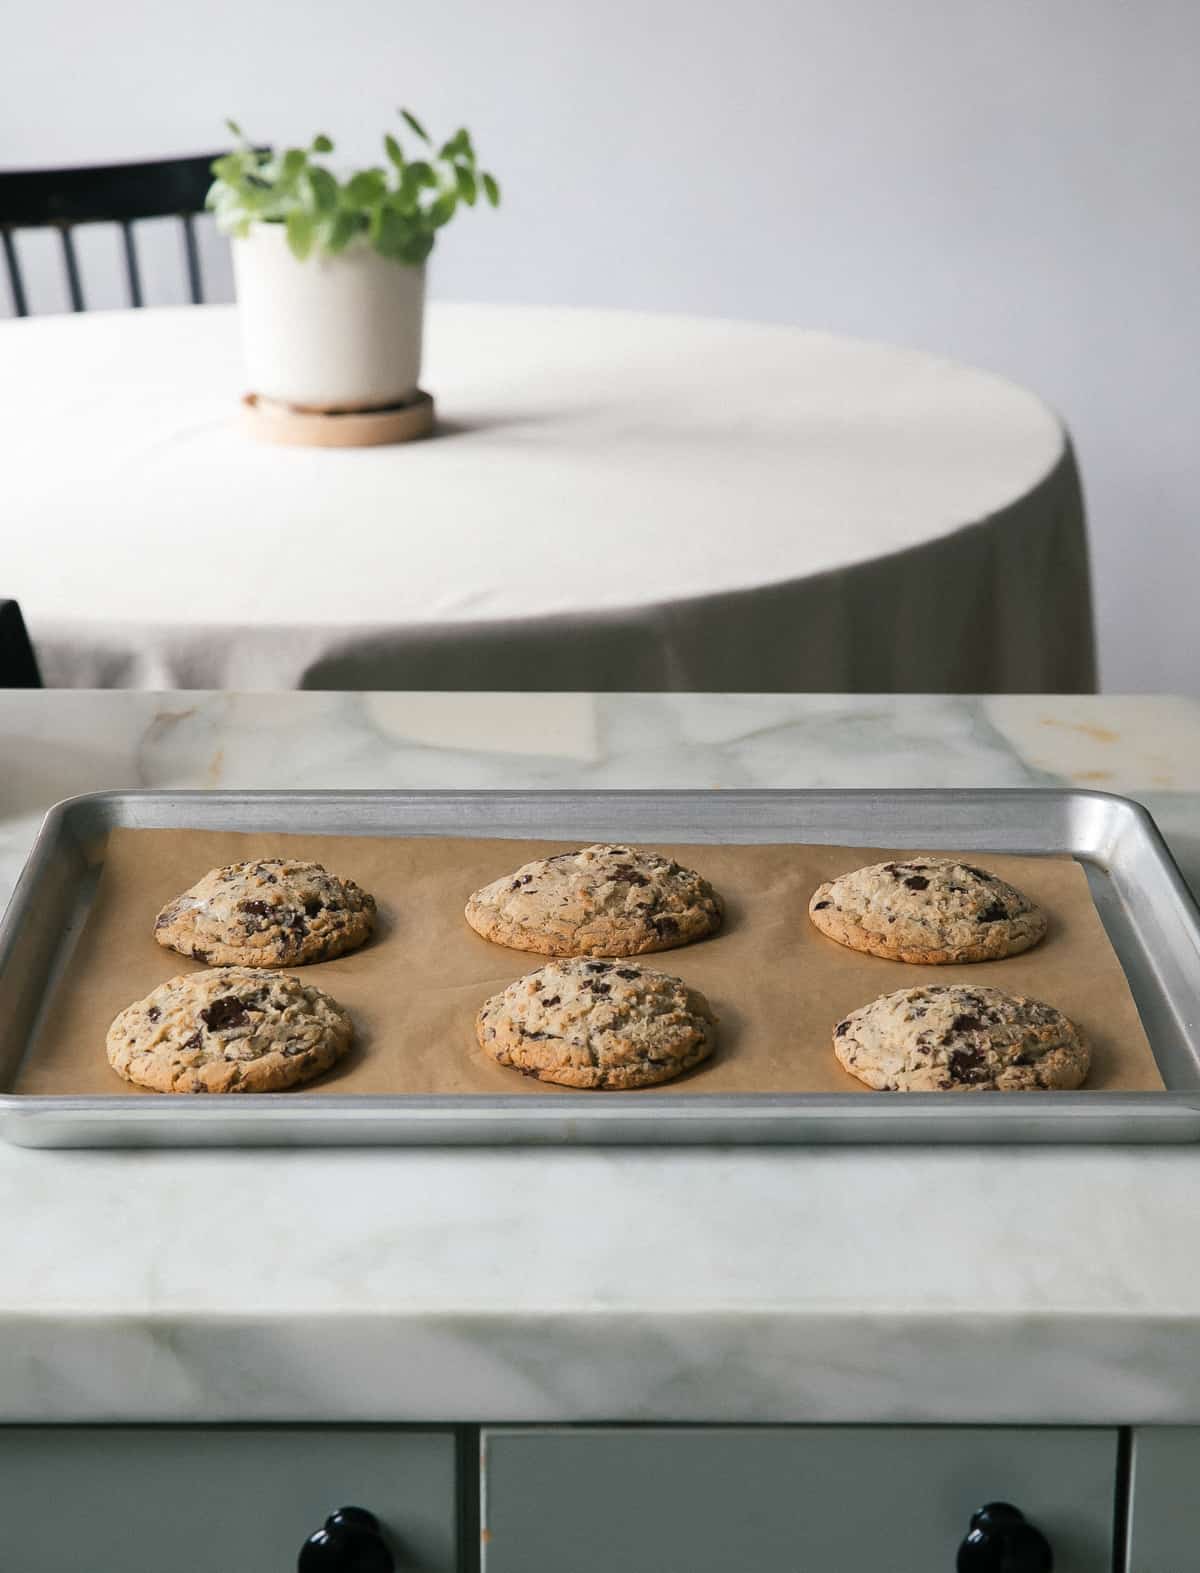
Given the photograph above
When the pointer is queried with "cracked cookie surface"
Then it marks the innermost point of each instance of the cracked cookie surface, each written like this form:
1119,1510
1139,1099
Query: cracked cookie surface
230,1029
598,1024
603,900
269,912
961,1037
927,910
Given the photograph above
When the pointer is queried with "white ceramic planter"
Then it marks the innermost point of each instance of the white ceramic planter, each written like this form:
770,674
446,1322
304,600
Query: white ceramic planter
328,333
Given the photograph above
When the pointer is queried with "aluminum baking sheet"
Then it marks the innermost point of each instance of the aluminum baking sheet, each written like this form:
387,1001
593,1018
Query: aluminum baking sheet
1146,909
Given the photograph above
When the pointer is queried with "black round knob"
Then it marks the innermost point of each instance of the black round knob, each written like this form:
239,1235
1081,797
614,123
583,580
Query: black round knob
354,1518
1001,1540
351,1541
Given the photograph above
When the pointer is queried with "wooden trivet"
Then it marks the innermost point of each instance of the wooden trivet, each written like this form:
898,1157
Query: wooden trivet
271,421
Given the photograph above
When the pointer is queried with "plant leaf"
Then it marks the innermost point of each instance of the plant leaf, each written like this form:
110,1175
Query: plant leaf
299,233
465,180
236,130
324,188
417,176
394,150
224,201
442,211
459,147
492,189
392,233
321,144
415,124
339,230
292,163
365,189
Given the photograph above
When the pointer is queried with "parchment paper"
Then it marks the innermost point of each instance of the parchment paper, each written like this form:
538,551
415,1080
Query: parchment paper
777,985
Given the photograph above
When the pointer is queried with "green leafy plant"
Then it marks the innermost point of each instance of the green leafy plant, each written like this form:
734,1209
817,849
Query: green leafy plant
399,206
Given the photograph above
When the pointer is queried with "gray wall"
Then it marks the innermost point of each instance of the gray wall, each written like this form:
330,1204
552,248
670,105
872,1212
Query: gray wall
1010,182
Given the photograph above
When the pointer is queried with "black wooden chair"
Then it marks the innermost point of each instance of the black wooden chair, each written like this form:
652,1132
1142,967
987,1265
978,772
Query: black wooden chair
104,194
18,664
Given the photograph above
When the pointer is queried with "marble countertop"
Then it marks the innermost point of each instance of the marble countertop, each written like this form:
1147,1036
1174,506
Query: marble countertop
772,1285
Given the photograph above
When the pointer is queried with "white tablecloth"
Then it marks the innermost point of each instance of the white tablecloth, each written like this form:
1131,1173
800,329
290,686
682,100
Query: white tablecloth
615,501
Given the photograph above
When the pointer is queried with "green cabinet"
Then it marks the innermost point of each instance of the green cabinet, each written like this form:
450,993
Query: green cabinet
829,1499
1164,1500
216,1499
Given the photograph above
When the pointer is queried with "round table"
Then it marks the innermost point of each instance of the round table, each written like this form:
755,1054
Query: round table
613,501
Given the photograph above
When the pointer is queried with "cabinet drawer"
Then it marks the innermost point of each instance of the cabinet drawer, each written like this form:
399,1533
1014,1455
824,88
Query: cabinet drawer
772,1500
1164,1503
212,1499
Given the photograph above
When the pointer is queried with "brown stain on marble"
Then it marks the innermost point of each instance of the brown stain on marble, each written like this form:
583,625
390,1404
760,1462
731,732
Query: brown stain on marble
164,720
1098,734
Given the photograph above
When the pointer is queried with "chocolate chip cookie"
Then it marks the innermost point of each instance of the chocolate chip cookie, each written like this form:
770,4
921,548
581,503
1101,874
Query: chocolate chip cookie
231,1029
268,913
600,901
961,1037
927,909
598,1024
